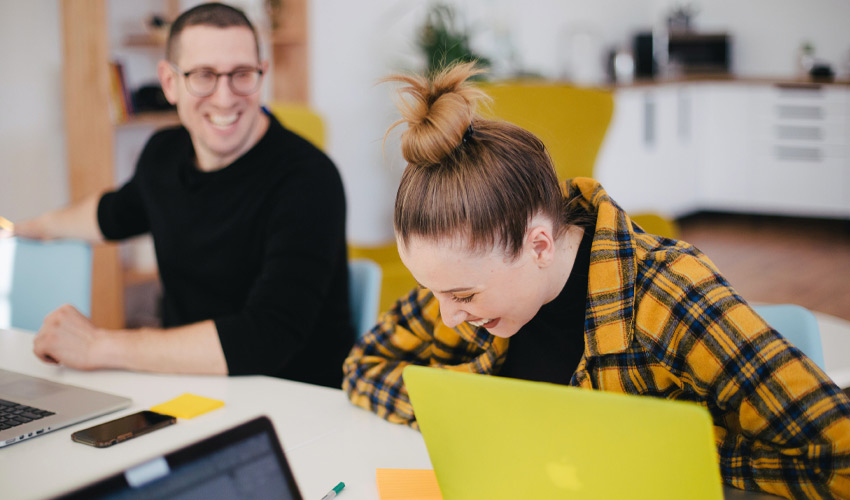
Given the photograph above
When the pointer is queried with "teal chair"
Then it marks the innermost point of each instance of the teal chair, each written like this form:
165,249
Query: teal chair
798,325
364,282
37,277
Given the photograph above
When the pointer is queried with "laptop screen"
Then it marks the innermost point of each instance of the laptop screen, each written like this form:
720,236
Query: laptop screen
244,462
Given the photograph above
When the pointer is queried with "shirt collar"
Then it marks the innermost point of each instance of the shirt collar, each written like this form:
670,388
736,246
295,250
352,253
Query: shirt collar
609,320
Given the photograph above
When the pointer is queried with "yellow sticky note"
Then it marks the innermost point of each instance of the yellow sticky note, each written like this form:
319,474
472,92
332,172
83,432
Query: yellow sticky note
407,484
188,406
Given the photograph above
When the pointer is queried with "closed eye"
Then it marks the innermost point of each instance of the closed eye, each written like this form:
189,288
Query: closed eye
464,300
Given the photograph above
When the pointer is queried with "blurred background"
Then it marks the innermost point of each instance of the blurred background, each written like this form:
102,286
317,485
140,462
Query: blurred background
730,119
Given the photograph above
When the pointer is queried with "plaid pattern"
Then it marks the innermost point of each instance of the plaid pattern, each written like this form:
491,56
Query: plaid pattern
661,321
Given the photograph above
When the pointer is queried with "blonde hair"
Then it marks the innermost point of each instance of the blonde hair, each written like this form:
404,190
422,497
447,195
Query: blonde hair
467,175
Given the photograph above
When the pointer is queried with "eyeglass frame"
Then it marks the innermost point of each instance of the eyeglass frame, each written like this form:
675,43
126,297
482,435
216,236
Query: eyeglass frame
229,75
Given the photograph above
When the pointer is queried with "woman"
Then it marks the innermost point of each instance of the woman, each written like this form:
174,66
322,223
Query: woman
522,278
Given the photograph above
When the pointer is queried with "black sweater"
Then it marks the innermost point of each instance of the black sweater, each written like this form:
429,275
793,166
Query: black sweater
258,246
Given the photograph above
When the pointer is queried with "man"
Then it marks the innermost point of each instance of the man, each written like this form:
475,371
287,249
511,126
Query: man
248,222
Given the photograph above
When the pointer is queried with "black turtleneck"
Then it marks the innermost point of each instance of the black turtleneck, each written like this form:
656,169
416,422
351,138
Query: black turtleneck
549,347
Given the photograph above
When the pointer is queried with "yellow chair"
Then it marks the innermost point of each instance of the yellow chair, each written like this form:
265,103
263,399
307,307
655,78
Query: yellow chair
396,280
656,224
300,119
572,122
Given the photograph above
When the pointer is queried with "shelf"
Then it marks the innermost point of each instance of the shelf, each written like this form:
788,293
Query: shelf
140,276
287,37
152,40
151,118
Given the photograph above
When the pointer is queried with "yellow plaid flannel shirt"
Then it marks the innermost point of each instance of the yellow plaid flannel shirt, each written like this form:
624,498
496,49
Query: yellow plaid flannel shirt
661,321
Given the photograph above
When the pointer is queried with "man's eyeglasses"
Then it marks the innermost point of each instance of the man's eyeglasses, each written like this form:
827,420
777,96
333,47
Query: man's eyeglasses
203,82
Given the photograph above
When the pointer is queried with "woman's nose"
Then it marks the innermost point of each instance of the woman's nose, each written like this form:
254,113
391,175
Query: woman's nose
452,314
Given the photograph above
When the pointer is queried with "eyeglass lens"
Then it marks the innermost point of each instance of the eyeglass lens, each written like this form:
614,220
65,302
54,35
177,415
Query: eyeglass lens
242,81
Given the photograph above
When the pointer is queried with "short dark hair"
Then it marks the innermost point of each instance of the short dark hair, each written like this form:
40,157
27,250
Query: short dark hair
207,14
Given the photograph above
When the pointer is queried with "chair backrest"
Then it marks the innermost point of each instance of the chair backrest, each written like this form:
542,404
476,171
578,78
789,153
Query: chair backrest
364,284
798,325
571,121
37,277
656,224
302,120
396,280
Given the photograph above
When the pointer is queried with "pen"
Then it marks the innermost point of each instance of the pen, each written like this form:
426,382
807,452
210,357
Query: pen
334,492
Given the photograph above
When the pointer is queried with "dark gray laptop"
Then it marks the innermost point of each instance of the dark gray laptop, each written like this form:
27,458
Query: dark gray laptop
31,406
245,462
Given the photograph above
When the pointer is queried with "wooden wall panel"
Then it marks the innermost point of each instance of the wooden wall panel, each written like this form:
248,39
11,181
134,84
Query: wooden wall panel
89,135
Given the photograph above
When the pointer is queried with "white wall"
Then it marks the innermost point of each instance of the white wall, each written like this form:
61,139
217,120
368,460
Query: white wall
768,33
352,44
32,138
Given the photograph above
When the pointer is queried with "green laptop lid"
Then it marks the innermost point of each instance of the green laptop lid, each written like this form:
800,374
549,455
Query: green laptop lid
499,438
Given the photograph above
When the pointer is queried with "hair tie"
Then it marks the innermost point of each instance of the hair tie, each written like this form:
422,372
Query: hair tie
468,134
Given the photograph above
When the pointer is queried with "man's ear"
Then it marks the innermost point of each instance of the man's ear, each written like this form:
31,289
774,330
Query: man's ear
541,244
168,80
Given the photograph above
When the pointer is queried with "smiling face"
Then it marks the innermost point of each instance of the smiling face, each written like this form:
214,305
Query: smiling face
224,125
484,289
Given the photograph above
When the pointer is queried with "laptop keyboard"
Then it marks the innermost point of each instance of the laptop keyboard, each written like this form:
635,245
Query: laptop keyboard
13,414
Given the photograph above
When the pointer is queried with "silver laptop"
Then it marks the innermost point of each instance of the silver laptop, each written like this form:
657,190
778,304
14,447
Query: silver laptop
31,406
244,462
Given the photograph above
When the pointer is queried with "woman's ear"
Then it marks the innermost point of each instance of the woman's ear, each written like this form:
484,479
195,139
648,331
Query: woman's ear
541,244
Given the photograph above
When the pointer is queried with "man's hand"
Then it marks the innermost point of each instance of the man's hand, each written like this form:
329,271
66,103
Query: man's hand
33,229
68,338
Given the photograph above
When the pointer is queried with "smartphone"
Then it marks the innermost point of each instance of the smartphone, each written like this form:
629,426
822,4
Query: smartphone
122,429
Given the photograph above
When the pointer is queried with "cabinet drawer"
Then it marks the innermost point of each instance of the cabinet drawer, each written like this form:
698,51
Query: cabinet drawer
802,185
798,151
803,134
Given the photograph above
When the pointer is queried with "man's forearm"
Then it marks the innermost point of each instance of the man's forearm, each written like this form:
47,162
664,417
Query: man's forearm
192,348
74,221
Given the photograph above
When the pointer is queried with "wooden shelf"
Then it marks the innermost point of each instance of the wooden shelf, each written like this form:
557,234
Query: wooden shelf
287,38
139,276
290,53
151,118
151,40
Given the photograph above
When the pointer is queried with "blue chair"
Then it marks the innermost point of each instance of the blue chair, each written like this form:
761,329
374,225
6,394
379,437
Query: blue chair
364,288
798,325
37,277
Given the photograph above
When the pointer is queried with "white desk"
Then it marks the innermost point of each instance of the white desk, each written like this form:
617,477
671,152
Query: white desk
340,437
326,439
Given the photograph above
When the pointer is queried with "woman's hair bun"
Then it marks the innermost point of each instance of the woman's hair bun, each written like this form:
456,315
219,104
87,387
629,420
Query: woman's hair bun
437,110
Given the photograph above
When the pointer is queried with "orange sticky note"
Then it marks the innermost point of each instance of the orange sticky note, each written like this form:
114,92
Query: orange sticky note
407,484
188,406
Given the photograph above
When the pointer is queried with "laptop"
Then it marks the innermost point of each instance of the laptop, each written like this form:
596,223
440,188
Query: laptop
31,406
499,438
244,462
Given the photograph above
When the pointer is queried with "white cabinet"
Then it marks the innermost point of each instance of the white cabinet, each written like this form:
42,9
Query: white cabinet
801,143
730,146
646,161
724,156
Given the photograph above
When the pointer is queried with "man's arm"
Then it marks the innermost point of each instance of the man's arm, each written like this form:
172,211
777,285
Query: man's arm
78,221
68,338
